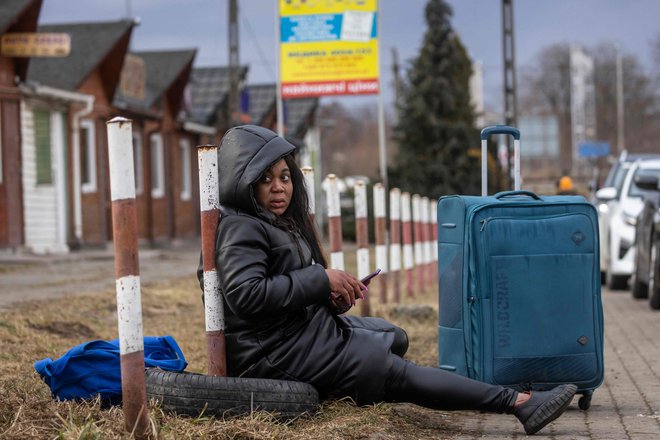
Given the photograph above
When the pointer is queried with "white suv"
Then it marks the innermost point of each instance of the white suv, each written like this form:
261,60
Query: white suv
617,217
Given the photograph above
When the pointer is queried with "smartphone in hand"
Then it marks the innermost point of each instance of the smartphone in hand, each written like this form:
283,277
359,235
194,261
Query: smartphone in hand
368,278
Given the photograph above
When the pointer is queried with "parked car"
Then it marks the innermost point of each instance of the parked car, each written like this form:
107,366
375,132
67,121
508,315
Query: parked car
646,280
618,171
605,199
618,209
610,197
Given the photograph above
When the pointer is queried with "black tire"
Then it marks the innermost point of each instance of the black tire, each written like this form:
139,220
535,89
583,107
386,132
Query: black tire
654,277
654,302
614,282
640,290
617,282
193,394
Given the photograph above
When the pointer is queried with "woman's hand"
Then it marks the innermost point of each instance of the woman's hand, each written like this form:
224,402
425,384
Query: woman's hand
345,287
337,304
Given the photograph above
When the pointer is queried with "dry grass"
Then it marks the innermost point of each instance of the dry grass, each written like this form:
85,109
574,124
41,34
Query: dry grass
33,331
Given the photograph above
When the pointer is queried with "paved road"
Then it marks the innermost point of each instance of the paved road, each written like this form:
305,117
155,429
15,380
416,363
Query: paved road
626,406
29,277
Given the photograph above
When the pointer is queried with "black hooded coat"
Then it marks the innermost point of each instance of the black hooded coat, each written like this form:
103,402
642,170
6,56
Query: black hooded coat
278,323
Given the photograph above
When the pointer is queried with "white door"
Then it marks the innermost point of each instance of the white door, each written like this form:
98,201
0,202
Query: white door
44,180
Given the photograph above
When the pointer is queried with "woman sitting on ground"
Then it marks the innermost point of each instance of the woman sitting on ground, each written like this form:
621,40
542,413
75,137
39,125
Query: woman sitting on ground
283,305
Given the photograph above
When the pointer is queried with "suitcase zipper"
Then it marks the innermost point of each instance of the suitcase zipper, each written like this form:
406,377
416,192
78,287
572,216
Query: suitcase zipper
484,222
474,312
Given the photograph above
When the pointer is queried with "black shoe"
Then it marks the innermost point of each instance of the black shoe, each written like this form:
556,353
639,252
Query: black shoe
543,407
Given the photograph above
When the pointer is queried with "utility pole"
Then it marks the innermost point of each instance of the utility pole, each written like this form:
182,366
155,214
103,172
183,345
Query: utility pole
233,104
619,103
129,10
508,55
397,81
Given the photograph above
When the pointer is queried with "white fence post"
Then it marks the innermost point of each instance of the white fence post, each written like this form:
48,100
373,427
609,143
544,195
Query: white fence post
127,273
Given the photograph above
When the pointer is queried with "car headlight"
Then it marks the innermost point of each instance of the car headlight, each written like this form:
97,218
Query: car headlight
629,219
603,208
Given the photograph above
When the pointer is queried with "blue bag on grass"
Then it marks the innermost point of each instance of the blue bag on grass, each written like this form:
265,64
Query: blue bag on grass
93,368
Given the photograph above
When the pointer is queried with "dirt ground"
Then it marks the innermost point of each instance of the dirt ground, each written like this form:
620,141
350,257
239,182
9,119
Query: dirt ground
60,319
29,277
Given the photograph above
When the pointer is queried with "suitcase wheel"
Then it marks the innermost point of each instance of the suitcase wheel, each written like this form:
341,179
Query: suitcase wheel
585,401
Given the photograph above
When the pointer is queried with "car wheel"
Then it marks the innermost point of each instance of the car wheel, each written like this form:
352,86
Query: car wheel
640,290
193,394
654,277
616,282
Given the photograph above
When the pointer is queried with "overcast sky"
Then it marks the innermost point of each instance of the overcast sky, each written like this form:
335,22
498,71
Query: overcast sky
202,24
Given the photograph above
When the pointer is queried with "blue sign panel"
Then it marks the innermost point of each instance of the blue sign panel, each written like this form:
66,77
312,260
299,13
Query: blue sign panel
593,149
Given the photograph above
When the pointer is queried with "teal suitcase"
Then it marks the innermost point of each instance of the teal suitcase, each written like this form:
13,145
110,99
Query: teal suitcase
519,287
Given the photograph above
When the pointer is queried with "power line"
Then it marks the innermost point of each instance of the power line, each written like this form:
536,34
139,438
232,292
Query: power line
255,43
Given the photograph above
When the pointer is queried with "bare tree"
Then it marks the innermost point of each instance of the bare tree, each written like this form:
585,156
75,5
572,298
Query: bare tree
655,54
349,140
546,90
639,98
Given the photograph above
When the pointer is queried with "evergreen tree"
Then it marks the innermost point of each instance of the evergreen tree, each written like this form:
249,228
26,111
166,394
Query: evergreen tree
438,143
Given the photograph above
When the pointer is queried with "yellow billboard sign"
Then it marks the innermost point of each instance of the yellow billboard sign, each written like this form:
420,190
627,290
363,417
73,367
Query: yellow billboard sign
35,44
328,47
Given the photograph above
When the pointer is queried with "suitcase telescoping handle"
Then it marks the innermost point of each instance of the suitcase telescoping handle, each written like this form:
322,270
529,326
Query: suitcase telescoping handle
499,129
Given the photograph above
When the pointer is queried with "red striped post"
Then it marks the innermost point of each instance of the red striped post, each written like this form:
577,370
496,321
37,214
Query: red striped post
207,156
381,240
395,243
362,239
433,215
426,236
406,230
127,273
334,223
418,243
308,174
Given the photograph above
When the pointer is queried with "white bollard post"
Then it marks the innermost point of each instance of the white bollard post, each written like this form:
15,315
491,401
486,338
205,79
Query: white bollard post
362,239
127,273
207,156
380,220
395,243
426,236
334,224
308,174
408,258
433,215
417,242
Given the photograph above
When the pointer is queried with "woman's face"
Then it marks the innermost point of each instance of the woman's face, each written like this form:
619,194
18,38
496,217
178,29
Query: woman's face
274,188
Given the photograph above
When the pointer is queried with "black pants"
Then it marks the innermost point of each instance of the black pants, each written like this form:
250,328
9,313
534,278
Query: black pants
439,389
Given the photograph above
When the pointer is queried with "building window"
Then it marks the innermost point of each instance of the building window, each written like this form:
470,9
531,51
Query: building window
137,163
42,147
184,145
87,156
157,166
